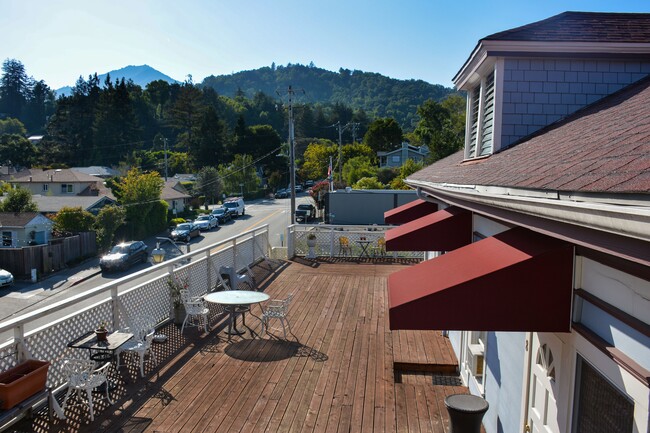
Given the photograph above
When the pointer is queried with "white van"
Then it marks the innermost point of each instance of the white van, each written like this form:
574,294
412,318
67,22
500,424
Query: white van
236,206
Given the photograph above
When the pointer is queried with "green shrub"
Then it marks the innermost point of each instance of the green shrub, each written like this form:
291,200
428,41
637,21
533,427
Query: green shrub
177,221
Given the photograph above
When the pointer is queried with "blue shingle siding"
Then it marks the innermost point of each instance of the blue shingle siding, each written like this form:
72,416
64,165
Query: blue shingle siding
539,92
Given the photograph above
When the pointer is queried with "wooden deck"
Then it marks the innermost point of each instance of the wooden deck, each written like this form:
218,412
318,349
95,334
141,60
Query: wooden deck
335,372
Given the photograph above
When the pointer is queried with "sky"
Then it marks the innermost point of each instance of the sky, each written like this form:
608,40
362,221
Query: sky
58,41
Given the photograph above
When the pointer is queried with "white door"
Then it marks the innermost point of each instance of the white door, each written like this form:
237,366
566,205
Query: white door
544,384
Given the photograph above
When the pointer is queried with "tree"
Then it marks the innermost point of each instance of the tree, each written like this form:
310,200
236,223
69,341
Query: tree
17,149
39,106
108,221
408,168
356,168
240,175
383,135
368,183
18,200
442,126
209,147
317,159
140,193
73,220
208,184
14,88
12,126
186,114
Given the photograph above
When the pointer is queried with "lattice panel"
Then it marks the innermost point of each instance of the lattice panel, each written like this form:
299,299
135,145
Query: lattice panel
152,298
327,241
198,277
51,343
8,357
244,254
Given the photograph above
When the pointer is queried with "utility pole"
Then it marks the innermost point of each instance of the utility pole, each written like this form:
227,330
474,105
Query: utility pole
338,124
292,157
165,147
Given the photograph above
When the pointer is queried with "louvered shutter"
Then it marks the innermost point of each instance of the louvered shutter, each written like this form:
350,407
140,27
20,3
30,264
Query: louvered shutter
488,117
476,97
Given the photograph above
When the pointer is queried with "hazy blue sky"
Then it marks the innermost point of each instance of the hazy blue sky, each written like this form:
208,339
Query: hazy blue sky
59,40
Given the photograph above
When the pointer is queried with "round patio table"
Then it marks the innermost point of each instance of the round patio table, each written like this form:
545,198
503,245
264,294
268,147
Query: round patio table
233,298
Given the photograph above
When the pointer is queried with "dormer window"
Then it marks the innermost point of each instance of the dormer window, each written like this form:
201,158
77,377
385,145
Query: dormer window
479,140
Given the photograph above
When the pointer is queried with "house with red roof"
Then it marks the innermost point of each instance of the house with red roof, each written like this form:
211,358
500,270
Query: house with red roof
537,233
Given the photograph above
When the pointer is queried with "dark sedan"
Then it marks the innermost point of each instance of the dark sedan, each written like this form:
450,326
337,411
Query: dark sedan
223,214
185,232
124,255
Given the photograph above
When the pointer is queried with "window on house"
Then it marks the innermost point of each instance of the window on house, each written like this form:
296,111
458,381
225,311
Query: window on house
475,355
45,187
66,188
599,406
479,139
396,158
7,239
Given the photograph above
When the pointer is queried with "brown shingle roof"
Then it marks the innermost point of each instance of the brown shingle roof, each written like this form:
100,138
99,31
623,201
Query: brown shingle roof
11,219
583,27
57,175
603,148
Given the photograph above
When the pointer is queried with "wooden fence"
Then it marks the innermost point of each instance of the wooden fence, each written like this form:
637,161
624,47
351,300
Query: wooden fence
48,258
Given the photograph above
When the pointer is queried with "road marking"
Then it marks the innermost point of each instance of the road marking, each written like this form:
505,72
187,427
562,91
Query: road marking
261,221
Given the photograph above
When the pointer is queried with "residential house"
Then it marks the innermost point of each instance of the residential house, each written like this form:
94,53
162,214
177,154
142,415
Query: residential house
23,229
176,196
397,157
53,204
97,171
59,182
539,268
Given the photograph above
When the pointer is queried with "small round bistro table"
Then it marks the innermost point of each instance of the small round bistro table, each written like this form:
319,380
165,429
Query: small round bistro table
231,299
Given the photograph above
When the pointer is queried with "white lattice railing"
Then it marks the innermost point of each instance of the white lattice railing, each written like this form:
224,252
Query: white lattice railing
45,333
328,242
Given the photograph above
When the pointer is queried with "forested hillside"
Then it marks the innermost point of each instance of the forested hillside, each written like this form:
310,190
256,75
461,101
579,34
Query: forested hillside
376,94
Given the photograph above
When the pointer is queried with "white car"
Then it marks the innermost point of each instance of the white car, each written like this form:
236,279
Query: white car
206,222
6,279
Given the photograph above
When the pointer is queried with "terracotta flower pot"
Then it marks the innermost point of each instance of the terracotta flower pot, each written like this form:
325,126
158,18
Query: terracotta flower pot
101,334
21,382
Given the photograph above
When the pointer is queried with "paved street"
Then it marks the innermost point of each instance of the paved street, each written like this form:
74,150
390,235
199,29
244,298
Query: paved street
25,296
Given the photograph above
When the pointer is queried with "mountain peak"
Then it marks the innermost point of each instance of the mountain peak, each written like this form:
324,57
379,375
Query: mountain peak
140,75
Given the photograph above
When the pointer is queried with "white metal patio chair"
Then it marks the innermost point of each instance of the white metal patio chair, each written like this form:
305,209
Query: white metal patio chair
235,279
277,309
196,313
83,376
143,330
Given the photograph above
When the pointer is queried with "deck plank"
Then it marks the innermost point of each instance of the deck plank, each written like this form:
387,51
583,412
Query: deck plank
335,372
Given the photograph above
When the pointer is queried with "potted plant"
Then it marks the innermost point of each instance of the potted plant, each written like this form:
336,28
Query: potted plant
311,240
175,287
102,331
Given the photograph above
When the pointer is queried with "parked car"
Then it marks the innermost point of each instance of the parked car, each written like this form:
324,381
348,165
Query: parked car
206,222
281,193
6,278
124,255
305,212
222,214
185,232
236,205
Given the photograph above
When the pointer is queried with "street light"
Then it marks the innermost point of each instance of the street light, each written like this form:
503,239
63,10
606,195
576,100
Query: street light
158,254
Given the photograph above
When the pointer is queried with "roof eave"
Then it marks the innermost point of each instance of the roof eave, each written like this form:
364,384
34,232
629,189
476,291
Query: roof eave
504,48
631,220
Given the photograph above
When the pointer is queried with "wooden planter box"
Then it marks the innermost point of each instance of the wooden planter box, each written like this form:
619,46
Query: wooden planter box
22,381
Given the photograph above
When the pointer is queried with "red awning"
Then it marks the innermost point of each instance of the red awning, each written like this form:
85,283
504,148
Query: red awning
517,280
445,230
409,211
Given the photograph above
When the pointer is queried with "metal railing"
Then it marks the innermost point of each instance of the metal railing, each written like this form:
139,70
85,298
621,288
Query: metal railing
45,333
362,241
